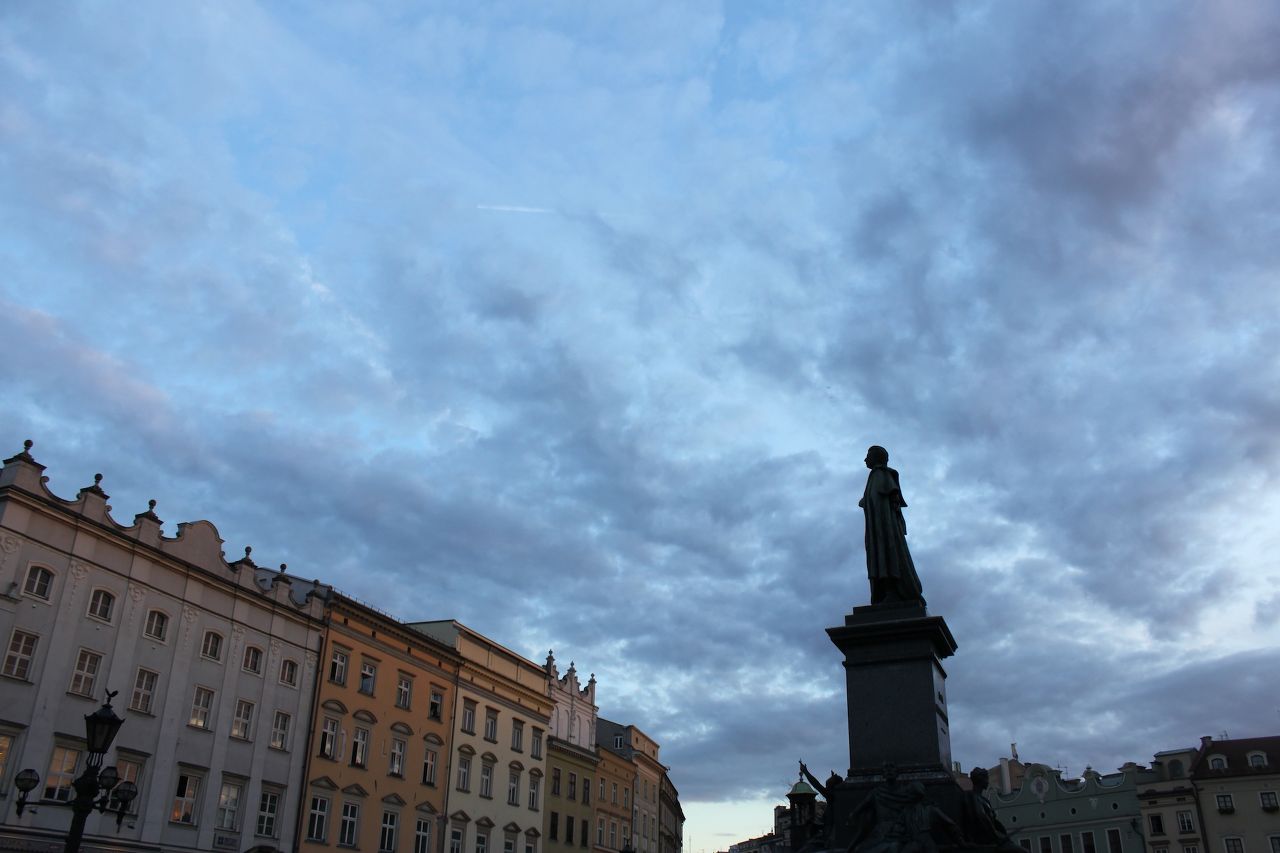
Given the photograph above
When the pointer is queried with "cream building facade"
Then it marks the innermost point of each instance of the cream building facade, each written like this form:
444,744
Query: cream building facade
214,664
1237,782
569,819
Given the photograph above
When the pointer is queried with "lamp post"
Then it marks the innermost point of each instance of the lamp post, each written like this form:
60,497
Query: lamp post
100,730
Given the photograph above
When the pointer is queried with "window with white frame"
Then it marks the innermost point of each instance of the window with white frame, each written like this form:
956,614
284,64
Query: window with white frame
535,782
1275,843
455,841
513,788
102,605
1268,801
491,724
252,660
129,770
613,793
211,645
280,730
600,831
404,691
1185,821
85,674
555,781
429,766
242,722
469,716
185,796
535,748
573,786
318,818
59,781
482,841
509,845
586,790
144,691
157,627
436,708
530,846
39,583
18,657
1217,762
349,824
464,773
422,836
360,748
268,811
517,735
486,779
329,738
1225,803
289,672
368,677
613,834
1233,845
396,765
201,708
228,816
338,667
387,836
1257,759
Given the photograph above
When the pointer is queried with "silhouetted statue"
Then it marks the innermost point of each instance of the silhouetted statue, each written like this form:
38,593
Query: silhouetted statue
896,817
978,819
889,567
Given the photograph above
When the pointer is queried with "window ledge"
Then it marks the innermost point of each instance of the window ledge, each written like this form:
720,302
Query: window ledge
16,678
199,728
75,695
140,711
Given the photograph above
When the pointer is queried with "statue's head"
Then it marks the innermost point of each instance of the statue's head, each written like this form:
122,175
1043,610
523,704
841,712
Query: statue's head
980,779
877,456
891,773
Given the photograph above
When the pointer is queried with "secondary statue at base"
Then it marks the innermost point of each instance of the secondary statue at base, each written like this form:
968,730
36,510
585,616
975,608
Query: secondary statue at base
889,568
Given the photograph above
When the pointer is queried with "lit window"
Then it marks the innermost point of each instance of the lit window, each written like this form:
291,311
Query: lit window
349,824
86,672
338,667
144,691
229,806
329,738
101,605
201,708
404,692
490,724
59,781
252,660
397,757
130,771
280,730
211,647
17,660
387,837
289,672
157,625
368,674
184,799
318,819
268,810
429,767
39,582
360,748
242,722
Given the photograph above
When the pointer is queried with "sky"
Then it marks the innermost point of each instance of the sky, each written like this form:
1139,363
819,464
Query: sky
573,321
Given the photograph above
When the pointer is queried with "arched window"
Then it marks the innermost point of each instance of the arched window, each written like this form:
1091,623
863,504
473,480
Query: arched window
211,646
253,660
101,605
1217,762
39,582
157,627
1257,759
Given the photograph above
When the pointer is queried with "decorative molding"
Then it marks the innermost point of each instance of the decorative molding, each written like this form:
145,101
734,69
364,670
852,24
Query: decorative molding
311,662
237,636
275,650
137,593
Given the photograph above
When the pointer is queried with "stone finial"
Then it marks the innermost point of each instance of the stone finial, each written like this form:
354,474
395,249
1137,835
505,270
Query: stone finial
283,566
96,488
150,514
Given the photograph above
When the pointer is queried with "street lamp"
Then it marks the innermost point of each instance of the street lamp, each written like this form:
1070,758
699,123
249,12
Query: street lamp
100,730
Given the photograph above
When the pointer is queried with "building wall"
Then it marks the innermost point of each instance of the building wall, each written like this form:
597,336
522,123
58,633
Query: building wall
1096,814
569,820
1239,800
1170,814
376,763
670,818
266,627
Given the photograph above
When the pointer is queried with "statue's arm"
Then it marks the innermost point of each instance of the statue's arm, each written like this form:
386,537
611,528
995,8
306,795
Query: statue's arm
813,780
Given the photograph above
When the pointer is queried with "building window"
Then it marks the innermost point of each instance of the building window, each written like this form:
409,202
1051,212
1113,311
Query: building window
318,819
1275,844
101,605
348,824
600,831
229,806
508,845
242,722
530,847
1225,804
1065,845
1086,842
517,735
144,691
211,646
486,780
1185,823
1217,762
435,709
613,793
1163,848
39,582
268,808
17,660
1257,759
535,748
387,838
586,790
553,828
360,748
1267,799
469,716
429,767
130,771
157,626
455,841
404,692
513,788
555,781
1157,824
573,786
86,672
1190,848
252,660
613,834
201,708
184,799
368,675
464,773
482,842
397,757
58,782
617,741
338,667
568,829
289,672
534,784
586,826
422,836
626,798
329,738
1233,845
1113,841
280,730
491,725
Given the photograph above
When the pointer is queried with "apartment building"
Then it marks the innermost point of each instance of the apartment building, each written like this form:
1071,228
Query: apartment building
572,764
1237,783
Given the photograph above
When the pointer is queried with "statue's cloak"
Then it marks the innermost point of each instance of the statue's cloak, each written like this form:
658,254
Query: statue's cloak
889,565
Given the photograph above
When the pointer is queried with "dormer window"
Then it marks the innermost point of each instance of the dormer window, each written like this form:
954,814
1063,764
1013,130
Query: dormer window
1257,759
1217,762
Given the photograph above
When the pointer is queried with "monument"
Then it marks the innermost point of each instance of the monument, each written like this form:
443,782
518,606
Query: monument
899,795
